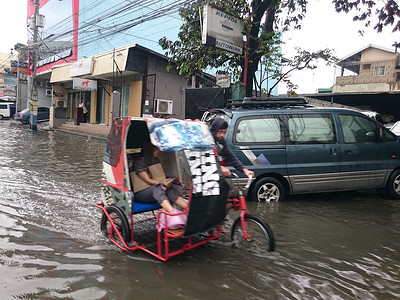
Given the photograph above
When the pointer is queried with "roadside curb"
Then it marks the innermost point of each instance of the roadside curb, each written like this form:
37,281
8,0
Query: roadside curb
80,134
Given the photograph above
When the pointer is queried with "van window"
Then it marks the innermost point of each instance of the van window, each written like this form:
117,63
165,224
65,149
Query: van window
311,129
358,129
3,106
260,129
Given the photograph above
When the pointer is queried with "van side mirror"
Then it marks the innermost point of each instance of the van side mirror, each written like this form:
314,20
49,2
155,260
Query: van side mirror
377,136
371,137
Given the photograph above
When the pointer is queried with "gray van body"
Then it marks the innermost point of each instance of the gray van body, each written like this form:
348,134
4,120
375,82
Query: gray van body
295,148
6,109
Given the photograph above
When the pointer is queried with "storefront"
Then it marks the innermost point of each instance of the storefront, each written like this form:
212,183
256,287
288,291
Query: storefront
137,75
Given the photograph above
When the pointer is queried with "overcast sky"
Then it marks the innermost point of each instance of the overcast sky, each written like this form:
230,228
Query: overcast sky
322,28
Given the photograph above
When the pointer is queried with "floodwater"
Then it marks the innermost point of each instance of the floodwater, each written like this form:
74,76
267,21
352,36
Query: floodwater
328,246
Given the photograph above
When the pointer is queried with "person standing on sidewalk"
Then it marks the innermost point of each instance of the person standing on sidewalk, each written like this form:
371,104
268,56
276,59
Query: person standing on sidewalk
84,112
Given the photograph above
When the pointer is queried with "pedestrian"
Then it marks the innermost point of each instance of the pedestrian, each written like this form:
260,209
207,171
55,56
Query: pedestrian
218,128
84,111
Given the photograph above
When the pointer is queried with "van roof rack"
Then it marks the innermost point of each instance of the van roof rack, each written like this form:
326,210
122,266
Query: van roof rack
256,102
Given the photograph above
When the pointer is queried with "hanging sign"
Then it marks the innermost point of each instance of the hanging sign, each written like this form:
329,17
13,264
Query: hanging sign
221,30
84,84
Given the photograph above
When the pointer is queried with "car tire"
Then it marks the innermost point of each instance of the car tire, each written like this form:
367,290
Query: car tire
27,121
268,189
393,185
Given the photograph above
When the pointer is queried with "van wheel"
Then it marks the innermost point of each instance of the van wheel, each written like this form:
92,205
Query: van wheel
268,189
393,185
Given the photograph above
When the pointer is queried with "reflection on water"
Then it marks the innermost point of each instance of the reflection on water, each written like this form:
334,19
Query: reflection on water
342,246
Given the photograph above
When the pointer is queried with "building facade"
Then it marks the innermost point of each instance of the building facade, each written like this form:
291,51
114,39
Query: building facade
131,80
375,69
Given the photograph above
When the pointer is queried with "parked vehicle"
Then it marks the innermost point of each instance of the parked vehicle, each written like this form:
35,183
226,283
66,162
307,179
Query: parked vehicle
396,128
7,109
295,148
25,115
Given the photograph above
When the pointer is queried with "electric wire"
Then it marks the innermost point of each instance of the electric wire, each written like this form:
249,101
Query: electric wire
169,9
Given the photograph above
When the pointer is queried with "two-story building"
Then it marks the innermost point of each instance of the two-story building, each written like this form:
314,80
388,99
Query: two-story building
369,80
375,70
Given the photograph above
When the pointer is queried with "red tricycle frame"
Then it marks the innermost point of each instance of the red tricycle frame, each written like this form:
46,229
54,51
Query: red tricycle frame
188,154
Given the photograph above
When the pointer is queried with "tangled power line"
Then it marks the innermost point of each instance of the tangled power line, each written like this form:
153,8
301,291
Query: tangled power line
110,22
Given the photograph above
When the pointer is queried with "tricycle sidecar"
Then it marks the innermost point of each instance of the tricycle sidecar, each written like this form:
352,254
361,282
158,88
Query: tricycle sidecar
187,154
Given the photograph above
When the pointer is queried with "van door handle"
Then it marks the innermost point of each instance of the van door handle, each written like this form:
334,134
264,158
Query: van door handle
333,152
347,152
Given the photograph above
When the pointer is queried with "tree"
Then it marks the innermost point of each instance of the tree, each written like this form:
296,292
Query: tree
265,20
22,51
387,12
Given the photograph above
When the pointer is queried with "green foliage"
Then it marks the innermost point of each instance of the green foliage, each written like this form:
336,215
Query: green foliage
387,12
22,51
265,20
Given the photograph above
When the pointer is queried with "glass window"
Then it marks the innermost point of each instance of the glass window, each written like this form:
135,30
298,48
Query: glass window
357,129
253,130
379,71
125,101
311,129
366,66
101,105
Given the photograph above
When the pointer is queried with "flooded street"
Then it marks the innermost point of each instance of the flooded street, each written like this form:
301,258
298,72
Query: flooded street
328,246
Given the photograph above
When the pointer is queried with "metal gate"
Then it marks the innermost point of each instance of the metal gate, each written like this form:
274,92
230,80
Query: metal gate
201,99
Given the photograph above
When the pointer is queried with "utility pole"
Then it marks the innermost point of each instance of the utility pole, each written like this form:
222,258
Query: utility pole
34,94
18,85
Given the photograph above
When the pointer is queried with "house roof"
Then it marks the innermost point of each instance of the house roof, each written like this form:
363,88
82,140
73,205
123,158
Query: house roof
352,61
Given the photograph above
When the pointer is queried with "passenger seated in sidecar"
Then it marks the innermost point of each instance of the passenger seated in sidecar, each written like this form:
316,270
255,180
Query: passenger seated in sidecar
150,184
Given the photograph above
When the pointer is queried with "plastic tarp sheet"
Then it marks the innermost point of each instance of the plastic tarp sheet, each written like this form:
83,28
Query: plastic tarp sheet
176,135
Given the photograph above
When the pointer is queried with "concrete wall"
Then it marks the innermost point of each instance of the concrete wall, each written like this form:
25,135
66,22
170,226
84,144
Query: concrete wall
169,86
373,54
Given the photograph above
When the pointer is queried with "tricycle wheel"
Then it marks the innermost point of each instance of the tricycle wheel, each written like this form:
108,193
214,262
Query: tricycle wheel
117,216
260,236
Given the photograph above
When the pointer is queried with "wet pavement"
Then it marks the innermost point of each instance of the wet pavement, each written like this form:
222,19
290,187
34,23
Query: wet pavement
328,246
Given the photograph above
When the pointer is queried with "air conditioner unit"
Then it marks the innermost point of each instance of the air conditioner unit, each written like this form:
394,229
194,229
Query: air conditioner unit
163,106
61,104
49,92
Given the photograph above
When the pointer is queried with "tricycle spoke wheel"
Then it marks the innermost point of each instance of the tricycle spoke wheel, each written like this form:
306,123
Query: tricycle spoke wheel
259,236
120,221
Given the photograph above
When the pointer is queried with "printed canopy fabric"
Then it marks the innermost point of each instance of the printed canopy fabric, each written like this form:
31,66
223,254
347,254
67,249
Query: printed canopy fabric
114,152
176,135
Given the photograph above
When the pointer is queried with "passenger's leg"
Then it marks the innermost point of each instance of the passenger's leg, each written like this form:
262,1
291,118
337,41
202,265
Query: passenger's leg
181,202
174,194
167,205
161,197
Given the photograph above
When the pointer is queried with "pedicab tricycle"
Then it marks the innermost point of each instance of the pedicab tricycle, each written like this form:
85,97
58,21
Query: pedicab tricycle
188,155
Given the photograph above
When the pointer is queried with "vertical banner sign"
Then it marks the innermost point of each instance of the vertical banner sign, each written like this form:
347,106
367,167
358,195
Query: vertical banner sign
221,30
